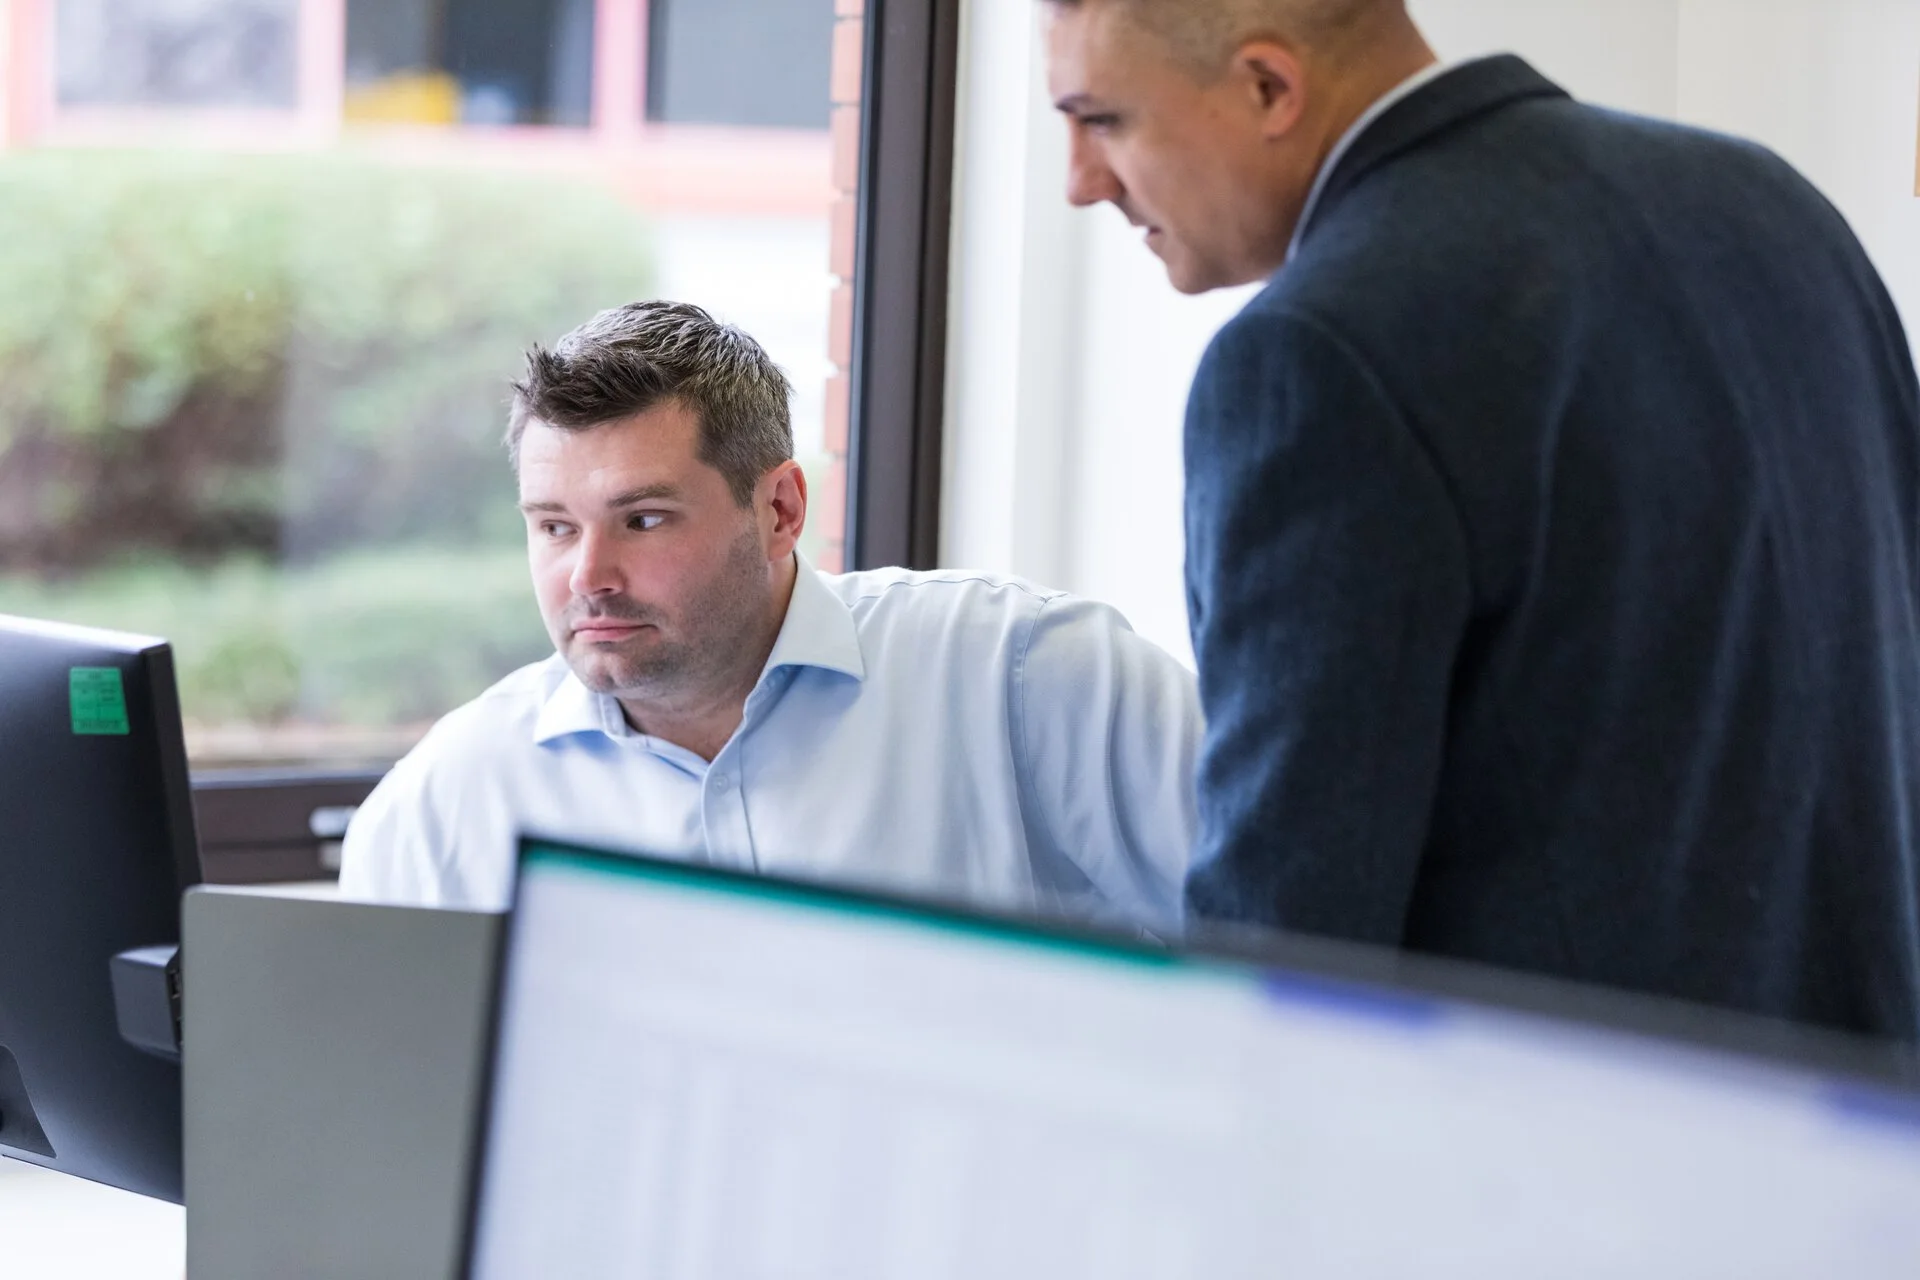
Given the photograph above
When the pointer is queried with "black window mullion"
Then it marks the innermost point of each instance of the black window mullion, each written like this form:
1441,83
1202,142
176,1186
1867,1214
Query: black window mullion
900,283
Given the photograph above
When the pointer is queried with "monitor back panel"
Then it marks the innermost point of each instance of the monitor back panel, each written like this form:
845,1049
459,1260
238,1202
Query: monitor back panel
96,844
333,1053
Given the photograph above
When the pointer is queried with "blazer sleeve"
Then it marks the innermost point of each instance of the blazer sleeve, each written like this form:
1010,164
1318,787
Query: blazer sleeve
1329,584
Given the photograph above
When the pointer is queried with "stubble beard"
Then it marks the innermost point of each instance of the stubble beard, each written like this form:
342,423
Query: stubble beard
691,659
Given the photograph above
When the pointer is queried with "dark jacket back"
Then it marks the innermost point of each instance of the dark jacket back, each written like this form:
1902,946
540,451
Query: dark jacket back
1552,541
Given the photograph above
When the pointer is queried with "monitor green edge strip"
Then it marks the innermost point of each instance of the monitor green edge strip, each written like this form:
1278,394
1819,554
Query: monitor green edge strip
841,902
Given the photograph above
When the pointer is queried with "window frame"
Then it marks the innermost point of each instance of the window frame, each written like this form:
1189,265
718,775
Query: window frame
262,826
899,350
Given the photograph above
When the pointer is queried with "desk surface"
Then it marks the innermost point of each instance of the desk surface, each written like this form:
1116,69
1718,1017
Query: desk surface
60,1228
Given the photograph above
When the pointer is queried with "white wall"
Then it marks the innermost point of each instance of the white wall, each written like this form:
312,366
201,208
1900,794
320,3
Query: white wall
1070,355
1016,292
1834,86
1621,53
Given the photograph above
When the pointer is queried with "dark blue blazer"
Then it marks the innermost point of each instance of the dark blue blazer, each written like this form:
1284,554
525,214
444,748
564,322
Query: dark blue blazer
1552,542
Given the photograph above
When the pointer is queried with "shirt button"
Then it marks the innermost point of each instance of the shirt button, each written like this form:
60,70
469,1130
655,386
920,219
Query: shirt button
722,781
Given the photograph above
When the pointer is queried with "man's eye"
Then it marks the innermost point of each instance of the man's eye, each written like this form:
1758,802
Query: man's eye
1100,123
646,520
553,529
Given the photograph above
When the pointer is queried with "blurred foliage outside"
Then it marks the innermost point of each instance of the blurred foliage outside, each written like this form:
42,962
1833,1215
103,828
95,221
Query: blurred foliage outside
293,355
226,380
373,645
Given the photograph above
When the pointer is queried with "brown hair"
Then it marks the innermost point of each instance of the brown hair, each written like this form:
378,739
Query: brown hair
1201,33
627,360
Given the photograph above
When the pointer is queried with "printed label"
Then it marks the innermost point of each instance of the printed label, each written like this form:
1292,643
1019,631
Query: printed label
99,701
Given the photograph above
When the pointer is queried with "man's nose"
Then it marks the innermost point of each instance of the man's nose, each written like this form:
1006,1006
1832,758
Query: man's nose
1090,179
596,572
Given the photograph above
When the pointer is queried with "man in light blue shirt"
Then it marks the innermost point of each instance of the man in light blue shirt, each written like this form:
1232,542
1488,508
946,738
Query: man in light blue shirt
714,697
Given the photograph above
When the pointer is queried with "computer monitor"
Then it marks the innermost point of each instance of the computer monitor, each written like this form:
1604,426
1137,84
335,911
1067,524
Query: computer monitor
333,1062
96,847
698,1074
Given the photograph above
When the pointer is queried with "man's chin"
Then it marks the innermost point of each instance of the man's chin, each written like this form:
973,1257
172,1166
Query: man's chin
1183,273
615,674
1192,286
1190,274
1193,278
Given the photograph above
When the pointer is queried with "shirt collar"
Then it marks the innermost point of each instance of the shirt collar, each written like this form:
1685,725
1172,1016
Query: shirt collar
818,631
1392,98
573,708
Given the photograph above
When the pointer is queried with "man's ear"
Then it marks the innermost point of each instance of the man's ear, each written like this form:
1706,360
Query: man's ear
1274,84
782,500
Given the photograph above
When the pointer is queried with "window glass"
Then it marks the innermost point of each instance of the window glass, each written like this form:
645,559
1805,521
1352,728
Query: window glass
266,267
187,53
743,62
476,62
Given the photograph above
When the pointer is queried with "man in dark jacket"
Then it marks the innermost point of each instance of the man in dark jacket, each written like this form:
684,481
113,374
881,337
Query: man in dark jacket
1551,514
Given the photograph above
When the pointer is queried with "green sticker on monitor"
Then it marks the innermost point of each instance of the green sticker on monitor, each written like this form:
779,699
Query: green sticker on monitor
99,701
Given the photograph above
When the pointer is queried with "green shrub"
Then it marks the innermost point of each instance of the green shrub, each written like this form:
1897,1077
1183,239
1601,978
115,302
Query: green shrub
289,355
374,638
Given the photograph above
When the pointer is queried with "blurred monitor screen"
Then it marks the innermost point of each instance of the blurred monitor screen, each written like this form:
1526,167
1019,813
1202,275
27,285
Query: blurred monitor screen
700,1075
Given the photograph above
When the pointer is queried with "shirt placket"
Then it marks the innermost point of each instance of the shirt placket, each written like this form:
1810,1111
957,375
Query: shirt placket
723,814
723,801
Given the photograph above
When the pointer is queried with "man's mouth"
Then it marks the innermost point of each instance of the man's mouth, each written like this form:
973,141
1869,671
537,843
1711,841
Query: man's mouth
601,630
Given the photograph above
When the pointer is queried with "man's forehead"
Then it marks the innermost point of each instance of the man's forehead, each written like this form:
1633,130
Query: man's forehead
1093,49
1071,29
611,456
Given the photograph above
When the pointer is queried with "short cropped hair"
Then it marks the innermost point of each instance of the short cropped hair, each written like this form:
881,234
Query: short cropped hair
1202,33
632,358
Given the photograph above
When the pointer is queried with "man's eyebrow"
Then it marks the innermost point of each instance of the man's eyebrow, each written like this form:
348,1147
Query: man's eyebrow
645,493
1073,104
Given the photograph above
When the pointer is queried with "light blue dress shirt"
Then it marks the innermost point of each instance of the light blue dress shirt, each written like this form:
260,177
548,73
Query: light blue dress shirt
959,735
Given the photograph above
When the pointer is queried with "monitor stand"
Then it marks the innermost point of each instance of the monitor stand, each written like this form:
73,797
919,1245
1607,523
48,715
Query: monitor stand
19,1126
